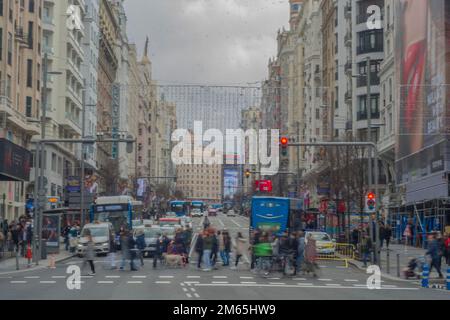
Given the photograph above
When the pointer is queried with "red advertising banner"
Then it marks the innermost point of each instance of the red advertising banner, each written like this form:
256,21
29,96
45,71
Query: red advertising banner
264,185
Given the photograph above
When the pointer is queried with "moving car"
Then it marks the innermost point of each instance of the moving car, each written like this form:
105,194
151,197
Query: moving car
231,213
212,212
324,243
186,222
170,222
196,213
151,237
101,233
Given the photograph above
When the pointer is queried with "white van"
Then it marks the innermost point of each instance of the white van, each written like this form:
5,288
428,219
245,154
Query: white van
101,236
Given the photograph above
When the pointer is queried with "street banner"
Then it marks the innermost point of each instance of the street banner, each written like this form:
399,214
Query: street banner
51,232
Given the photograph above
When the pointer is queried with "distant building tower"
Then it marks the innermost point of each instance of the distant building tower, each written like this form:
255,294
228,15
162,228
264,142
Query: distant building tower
295,6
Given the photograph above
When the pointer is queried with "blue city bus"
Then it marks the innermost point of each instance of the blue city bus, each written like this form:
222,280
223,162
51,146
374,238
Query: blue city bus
119,211
270,214
216,206
181,208
198,205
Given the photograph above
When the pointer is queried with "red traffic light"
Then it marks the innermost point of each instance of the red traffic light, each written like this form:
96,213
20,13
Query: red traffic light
284,141
371,196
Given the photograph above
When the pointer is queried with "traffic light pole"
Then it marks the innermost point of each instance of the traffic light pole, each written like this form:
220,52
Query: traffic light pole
374,147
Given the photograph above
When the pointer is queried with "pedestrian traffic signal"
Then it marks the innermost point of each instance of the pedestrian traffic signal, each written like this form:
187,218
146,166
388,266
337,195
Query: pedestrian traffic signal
248,174
370,201
284,141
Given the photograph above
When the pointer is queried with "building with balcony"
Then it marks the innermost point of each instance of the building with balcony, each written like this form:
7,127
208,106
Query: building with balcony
20,100
64,51
368,43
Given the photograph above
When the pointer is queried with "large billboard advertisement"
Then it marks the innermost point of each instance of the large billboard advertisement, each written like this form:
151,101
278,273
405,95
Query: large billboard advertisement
421,54
15,162
230,182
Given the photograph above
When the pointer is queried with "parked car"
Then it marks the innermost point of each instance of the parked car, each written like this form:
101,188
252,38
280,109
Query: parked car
324,243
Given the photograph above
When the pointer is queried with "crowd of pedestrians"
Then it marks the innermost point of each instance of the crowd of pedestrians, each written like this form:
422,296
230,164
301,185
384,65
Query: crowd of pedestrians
16,236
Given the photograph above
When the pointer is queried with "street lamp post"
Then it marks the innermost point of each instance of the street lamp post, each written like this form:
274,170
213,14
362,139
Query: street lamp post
39,185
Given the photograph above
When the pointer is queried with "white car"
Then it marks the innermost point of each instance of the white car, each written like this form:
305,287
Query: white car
196,213
101,235
231,213
324,243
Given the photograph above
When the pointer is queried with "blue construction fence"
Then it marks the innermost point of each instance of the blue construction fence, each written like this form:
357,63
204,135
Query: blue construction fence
424,219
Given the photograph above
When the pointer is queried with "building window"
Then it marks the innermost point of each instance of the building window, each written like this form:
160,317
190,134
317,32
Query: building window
29,107
31,5
29,73
10,45
30,35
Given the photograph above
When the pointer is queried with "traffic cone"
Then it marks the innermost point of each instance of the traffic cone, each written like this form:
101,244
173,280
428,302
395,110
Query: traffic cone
29,255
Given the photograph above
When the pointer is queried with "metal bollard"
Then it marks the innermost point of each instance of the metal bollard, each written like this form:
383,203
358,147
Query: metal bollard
398,265
388,262
425,275
448,277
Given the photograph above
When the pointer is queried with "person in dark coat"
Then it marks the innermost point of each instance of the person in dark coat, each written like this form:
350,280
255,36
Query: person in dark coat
133,251
112,250
140,243
433,252
199,250
214,250
158,251
382,233
387,235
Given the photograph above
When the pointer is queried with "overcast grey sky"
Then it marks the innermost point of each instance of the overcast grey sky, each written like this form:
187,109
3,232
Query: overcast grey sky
207,41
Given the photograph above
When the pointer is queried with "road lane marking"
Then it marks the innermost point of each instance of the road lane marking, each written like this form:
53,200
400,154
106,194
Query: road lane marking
112,277
185,290
237,224
18,281
182,284
32,277
248,282
139,277
105,282
220,277
220,220
220,282
166,277
193,277
323,266
88,277
246,277
188,295
191,282
324,279
192,289
273,278
304,284
299,279
48,282
196,295
351,280
58,277
134,282
360,285
389,286
295,286
333,284
163,282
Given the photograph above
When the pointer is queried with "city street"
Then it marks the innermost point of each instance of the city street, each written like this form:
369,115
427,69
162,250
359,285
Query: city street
334,281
